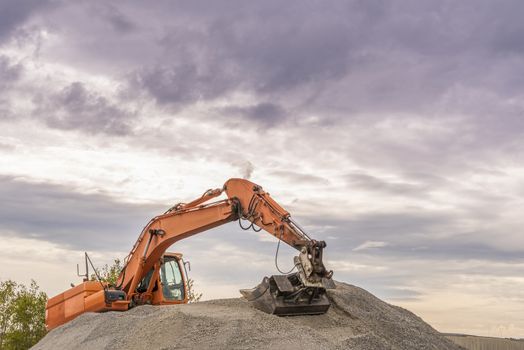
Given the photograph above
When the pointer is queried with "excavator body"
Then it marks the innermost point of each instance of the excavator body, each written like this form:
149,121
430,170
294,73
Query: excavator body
164,284
152,276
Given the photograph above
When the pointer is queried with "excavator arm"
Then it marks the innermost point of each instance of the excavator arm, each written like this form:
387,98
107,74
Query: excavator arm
246,202
164,230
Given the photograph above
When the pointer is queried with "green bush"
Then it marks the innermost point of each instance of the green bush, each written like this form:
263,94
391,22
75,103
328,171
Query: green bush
108,273
22,315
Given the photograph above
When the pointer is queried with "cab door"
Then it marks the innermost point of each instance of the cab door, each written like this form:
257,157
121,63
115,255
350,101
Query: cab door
172,281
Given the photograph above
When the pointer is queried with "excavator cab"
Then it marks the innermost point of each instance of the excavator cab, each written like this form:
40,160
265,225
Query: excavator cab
172,278
165,283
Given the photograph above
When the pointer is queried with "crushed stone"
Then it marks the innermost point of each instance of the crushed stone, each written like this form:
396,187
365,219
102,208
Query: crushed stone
355,320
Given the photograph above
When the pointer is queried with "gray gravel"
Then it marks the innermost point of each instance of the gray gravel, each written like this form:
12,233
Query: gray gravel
356,320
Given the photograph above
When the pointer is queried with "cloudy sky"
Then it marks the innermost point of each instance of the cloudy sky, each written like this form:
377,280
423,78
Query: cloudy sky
394,130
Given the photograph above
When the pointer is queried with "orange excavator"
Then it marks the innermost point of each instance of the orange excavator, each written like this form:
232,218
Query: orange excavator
152,276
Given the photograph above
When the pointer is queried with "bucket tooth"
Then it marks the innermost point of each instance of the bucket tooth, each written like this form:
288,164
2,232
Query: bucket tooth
257,292
284,295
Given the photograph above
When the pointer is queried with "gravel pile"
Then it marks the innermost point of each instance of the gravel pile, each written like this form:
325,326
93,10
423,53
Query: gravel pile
356,320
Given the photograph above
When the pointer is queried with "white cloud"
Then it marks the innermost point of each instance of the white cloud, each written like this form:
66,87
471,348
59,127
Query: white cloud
370,245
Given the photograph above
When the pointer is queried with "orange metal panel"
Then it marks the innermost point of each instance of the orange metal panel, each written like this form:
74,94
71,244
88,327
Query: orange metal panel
74,306
55,300
121,305
89,286
69,304
55,315
95,302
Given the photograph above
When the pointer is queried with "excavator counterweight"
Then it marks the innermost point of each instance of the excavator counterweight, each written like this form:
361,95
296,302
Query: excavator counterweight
152,276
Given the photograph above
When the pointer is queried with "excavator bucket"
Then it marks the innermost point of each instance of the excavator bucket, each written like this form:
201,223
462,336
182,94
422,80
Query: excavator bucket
286,295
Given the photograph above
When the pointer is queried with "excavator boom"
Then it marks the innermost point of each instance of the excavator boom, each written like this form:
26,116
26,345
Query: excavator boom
141,280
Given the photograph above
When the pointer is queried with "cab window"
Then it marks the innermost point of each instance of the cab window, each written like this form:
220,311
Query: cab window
171,277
